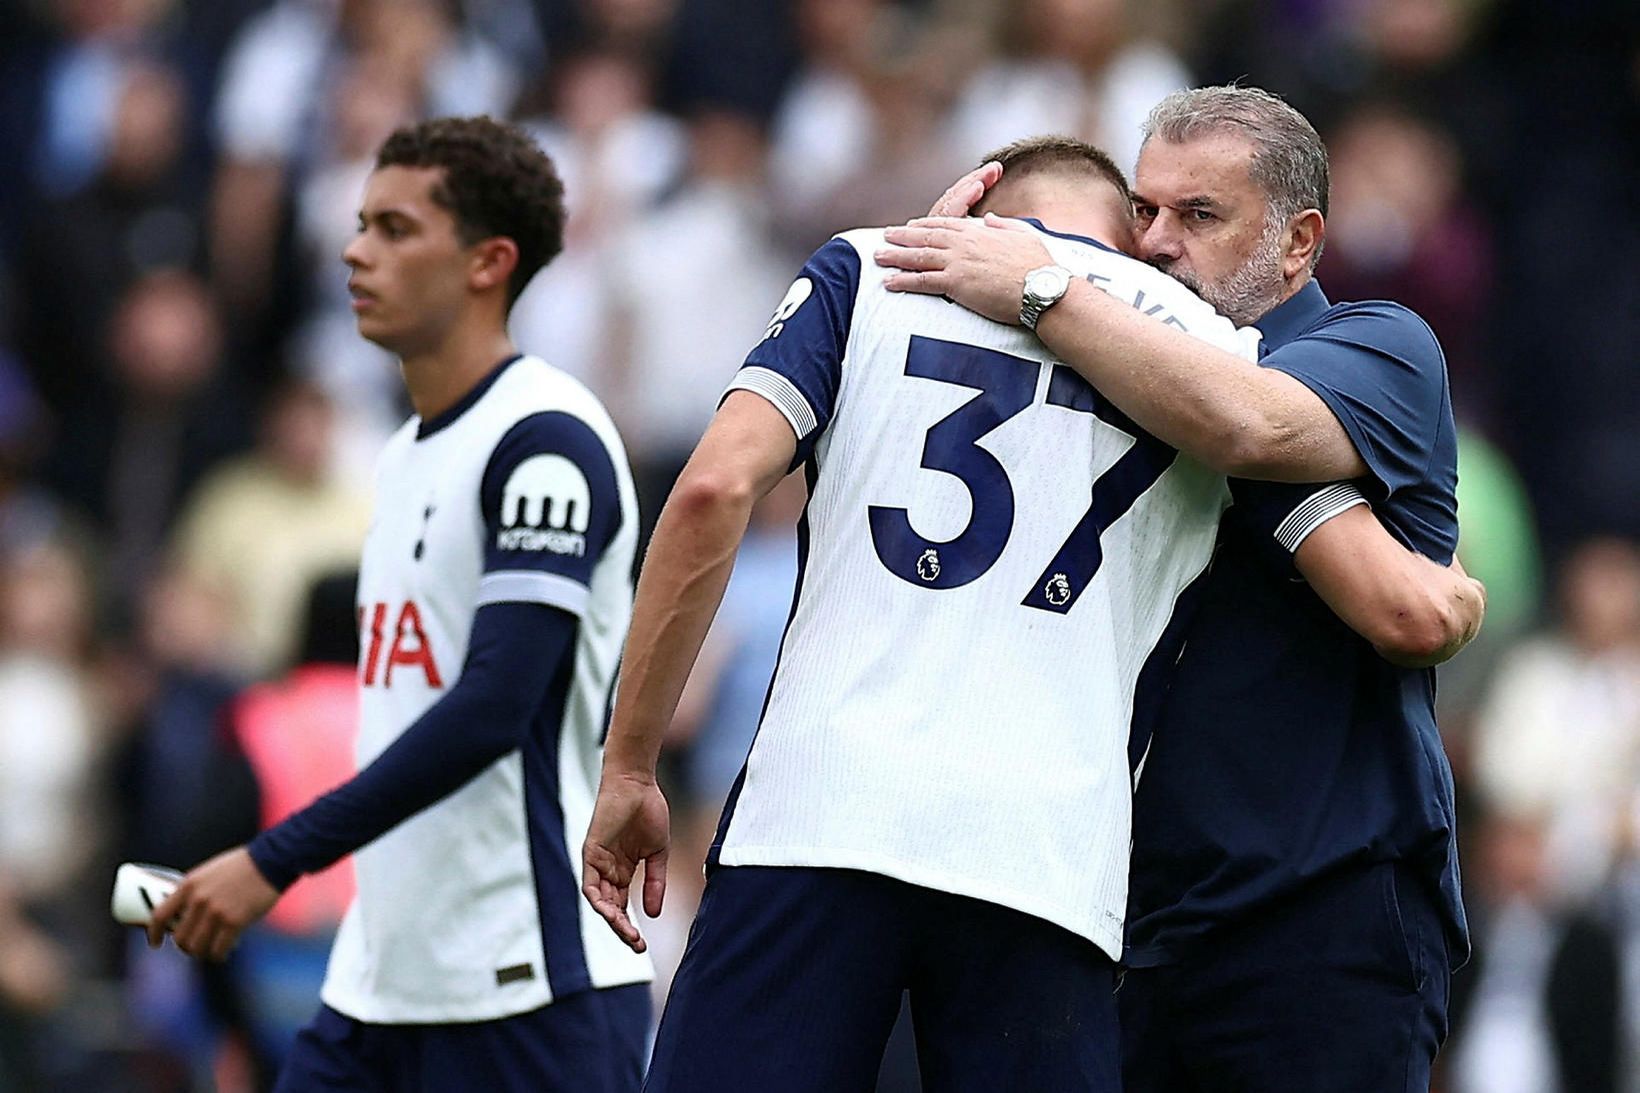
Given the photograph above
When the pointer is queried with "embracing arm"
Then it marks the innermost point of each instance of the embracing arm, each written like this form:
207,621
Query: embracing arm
1415,612
1225,412
746,451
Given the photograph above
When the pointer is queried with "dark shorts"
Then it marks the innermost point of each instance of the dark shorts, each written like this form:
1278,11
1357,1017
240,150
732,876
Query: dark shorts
1340,989
793,979
591,1042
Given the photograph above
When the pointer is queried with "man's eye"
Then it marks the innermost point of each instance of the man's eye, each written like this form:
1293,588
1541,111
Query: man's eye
1200,216
1145,212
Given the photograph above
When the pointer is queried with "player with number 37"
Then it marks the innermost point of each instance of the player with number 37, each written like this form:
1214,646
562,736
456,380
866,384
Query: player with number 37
995,565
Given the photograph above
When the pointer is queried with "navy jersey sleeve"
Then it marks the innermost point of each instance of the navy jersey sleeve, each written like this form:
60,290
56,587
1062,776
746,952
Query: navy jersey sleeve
1379,369
551,504
798,365
511,660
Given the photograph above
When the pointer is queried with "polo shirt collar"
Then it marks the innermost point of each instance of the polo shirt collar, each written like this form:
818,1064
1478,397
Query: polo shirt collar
1293,316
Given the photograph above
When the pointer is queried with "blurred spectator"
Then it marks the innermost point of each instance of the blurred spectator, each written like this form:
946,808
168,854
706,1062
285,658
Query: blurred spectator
1400,228
1558,737
136,214
276,114
1537,1010
693,284
51,740
733,54
367,103
261,529
903,157
617,156
1070,67
171,414
186,792
297,733
28,516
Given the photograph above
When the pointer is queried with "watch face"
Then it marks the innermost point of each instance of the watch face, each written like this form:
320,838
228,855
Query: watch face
1046,282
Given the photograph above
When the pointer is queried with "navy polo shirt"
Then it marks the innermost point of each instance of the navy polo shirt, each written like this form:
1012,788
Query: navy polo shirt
1286,748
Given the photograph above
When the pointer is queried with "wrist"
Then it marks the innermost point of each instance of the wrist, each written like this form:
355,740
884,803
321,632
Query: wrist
1044,287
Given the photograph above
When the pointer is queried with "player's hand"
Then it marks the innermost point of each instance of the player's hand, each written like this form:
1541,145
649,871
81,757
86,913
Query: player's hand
979,264
966,191
213,905
630,824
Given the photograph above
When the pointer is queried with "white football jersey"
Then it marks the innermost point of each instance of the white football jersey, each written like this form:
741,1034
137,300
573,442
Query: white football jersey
993,568
471,910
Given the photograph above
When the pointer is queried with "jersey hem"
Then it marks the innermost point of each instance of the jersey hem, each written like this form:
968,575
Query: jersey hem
1107,939
374,1012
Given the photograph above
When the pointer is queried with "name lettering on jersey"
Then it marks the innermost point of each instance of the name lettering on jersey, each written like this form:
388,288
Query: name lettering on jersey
409,649
546,505
796,296
1155,311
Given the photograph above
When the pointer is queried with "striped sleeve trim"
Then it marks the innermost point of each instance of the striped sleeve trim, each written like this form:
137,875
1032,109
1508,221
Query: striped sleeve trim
1316,510
520,586
780,391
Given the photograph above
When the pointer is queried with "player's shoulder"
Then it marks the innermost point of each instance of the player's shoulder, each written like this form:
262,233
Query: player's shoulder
532,386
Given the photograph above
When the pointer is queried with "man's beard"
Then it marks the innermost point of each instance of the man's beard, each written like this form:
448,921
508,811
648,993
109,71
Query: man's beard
1251,289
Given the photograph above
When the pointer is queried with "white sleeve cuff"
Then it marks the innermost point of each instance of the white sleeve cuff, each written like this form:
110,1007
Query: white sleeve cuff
781,392
527,586
1316,510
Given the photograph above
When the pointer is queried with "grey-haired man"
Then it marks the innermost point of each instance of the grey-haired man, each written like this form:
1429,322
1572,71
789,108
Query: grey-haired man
1294,913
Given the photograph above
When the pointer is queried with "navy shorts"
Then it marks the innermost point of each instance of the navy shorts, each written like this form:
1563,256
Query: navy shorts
590,1042
1340,989
793,979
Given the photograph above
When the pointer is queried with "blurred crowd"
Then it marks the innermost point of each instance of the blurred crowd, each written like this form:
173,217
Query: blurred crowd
188,419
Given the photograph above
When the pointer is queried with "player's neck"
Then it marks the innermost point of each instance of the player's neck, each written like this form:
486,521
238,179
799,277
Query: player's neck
439,378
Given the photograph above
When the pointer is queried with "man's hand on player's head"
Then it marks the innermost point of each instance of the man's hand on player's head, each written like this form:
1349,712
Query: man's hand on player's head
979,264
630,824
967,191
213,905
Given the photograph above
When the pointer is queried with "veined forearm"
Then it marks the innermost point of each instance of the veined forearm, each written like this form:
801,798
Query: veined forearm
684,575
1220,410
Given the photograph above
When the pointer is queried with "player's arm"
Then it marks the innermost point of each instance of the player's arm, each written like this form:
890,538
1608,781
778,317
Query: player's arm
1415,612
1225,412
524,626
779,405
513,652
746,451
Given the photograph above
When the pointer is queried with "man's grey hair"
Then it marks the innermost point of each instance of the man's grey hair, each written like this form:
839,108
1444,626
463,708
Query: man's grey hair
1289,160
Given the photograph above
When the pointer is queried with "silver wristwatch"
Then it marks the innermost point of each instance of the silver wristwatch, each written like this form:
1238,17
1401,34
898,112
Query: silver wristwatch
1045,286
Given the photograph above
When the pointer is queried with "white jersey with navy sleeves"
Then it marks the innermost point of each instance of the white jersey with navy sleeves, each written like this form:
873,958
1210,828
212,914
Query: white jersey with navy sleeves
992,560
471,909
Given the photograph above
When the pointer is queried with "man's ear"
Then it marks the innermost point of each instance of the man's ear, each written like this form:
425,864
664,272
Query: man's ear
493,262
1304,238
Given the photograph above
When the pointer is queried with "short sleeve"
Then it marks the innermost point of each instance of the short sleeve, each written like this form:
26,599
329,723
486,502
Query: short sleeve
551,504
798,365
1380,370
1279,516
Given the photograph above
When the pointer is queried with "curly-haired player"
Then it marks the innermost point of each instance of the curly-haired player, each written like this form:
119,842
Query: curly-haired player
494,595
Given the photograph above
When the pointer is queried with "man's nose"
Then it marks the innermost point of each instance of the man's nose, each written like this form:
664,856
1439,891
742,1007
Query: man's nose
1162,238
354,253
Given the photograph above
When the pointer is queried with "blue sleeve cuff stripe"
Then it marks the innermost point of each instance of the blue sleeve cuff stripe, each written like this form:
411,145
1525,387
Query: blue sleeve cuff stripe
780,391
522,586
1316,510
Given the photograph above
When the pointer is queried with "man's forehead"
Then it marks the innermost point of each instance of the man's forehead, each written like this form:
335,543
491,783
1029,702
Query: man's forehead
408,189
1205,166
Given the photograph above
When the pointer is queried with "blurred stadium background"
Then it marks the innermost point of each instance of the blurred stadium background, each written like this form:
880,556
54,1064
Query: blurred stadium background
187,419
